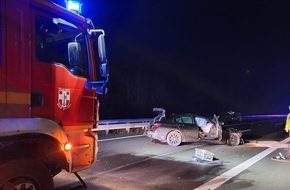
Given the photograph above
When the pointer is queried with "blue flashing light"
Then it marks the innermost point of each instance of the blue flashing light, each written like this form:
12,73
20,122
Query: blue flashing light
74,6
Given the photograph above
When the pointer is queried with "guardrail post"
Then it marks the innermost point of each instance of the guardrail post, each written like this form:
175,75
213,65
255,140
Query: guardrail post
128,129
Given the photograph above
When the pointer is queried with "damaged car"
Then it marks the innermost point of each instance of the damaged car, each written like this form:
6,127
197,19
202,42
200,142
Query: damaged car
179,128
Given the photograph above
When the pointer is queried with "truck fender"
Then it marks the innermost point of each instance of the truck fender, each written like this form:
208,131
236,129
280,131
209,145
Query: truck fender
18,126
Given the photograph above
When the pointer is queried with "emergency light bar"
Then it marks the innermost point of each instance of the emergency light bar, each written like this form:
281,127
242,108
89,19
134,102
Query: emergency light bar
74,6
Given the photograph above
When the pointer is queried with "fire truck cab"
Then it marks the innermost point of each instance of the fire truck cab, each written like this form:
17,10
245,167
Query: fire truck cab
49,83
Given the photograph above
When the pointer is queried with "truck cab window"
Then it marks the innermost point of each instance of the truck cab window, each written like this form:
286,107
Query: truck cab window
60,42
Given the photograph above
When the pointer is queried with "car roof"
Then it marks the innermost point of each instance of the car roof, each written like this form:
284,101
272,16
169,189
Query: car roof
184,114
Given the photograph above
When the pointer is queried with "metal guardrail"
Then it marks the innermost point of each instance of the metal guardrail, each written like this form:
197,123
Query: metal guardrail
127,124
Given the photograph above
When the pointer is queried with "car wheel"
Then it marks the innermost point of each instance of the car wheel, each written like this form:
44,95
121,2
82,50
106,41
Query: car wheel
234,139
25,174
173,138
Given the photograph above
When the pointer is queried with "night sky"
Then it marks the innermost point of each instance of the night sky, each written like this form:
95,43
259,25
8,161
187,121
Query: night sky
202,57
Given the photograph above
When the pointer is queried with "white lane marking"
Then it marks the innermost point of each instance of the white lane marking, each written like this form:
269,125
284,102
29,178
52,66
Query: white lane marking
223,178
127,137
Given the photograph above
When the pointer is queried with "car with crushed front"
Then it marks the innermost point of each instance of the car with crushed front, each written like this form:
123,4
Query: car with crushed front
180,128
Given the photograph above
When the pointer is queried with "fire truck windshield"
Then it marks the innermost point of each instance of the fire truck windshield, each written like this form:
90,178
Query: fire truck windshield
58,41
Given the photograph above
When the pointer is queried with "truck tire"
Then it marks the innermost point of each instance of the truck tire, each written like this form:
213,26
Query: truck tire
25,174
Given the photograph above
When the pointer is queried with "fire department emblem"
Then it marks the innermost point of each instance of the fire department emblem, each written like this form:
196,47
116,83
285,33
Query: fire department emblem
63,98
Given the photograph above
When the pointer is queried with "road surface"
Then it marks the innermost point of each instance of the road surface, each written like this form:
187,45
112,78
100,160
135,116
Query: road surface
136,163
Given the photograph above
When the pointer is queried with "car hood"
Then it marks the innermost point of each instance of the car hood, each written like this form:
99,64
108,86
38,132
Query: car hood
229,116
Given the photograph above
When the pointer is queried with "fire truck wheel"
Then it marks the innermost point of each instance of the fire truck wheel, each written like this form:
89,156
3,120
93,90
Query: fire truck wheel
25,174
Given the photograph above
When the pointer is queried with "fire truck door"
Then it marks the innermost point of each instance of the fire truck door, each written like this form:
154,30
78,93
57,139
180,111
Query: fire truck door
18,33
2,62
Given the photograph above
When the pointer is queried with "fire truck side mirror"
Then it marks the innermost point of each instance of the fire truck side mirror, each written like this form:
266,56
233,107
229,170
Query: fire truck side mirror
103,57
104,70
102,89
102,48
100,86
74,51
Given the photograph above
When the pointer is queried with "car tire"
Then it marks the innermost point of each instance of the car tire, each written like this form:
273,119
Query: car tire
25,174
234,139
174,138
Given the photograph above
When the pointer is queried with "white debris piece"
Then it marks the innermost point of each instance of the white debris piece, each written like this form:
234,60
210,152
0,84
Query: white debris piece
205,158
204,154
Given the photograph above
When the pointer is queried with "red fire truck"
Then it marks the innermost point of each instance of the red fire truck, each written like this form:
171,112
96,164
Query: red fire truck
48,92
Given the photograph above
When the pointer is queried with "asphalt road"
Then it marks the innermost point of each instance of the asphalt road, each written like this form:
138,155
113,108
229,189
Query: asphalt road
136,163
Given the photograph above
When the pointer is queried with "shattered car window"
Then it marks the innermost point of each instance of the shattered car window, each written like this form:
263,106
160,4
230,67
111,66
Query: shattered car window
200,121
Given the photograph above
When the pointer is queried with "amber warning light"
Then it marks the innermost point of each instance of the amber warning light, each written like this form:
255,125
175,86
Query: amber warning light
67,146
74,6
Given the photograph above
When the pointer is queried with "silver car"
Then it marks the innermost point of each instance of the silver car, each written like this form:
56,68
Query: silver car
190,128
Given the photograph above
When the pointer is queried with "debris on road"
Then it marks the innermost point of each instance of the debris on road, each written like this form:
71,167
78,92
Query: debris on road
203,154
281,157
205,157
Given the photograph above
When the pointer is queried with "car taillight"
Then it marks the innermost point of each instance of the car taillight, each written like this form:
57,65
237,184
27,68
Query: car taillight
156,125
